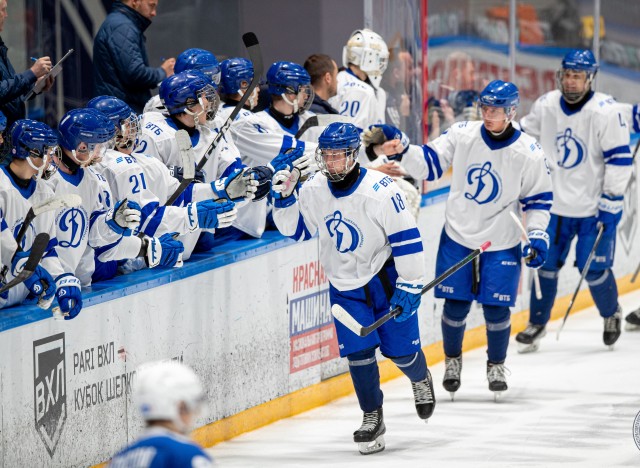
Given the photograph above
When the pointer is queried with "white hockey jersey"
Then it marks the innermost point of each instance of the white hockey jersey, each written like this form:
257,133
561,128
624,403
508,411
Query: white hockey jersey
15,202
359,100
588,150
358,229
489,180
7,244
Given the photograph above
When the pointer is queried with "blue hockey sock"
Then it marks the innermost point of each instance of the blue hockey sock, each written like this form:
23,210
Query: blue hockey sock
498,320
453,324
413,366
540,309
604,291
366,379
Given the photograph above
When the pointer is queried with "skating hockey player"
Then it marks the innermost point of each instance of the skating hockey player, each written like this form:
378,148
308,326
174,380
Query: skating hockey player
372,252
496,170
587,140
169,397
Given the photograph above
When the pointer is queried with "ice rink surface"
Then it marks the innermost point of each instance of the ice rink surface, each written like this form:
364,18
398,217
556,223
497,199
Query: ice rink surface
571,404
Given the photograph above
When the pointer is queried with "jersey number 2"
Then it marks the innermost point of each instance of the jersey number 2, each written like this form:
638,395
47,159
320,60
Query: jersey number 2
350,108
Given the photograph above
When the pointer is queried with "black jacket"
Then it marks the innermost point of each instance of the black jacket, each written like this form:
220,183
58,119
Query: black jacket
13,87
320,106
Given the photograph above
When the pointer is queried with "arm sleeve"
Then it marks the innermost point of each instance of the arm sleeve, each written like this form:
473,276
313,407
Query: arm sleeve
536,192
530,123
260,144
614,138
8,244
430,162
12,88
124,46
291,221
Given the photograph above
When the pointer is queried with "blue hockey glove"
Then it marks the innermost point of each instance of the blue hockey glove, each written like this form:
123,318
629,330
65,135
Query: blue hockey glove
69,295
293,157
124,217
379,134
407,297
178,173
263,175
535,253
40,284
610,211
237,186
164,251
211,214
283,186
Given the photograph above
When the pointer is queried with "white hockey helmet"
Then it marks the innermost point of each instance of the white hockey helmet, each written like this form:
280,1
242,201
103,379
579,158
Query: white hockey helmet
162,387
367,50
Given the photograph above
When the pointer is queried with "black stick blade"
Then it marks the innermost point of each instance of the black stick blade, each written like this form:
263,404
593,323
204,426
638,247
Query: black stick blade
249,39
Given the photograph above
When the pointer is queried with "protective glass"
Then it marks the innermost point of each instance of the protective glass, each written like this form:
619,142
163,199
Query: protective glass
302,100
335,164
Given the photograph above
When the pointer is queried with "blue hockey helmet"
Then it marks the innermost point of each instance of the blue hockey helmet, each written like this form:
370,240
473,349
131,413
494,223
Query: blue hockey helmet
578,60
122,116
199,59
290,78
86,134
235,75
186,89
32,139
500,93
337,150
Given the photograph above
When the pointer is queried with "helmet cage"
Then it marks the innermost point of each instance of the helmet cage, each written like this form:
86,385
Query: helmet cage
336,163
209,102
574,96
128,132
303,97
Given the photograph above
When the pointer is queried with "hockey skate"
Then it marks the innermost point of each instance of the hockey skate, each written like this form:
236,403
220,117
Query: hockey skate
529,339
369,437
424,397
632,321
612,328
453,368
496,377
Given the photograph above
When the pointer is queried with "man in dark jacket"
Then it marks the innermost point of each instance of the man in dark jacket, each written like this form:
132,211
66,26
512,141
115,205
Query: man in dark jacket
324,80
14,86
120,63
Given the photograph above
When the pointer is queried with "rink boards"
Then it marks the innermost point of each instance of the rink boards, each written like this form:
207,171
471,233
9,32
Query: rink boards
253,321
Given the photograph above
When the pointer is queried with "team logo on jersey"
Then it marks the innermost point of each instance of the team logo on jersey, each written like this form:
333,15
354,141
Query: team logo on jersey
49,389
30,234
485,184
570,149
344,231
72,227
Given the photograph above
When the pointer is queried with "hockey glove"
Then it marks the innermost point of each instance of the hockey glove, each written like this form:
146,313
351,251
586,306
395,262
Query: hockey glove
40,284
610,211
407,298
237,186
263,175
294,157
177,172
69,295
124,217
380,134
163,252
211,214
535,253
283,185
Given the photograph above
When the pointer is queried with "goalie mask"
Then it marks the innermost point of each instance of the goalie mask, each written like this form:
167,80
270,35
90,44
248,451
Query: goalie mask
165,390
235,76
86,134
574,79
122,116
190,92
367,50
292,82
337,151
35,142
497,105
199,59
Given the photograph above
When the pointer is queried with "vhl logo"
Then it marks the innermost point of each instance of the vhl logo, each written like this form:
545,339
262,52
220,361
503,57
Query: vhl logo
570,149
484,183
50,389
344,231
73,223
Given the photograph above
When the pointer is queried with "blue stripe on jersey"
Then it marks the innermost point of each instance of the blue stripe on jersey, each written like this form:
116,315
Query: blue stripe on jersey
543,196
617,150
433,163
94,216
302,233
3,225
620,161
300,145
186,196
287,142
100,250
236,164
613,197
405,235
154,223
406,249
537,206
635,117
147,210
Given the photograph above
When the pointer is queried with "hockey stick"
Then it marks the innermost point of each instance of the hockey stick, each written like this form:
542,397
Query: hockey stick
321,120
582,276
38,249
342,316
253,47
536,277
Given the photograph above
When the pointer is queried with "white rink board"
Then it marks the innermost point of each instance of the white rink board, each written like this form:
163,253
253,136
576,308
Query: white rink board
236,336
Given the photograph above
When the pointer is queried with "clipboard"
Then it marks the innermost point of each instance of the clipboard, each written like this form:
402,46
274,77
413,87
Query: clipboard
55,71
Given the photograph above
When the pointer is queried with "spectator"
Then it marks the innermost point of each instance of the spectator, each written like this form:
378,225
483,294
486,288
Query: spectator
120,62
14,86
324,81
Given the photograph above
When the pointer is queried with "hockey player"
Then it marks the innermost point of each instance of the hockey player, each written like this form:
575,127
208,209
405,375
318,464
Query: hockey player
496,169
588,140
169,396
371,250
148,182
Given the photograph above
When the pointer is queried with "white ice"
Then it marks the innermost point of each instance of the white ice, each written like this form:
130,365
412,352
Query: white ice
571,404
